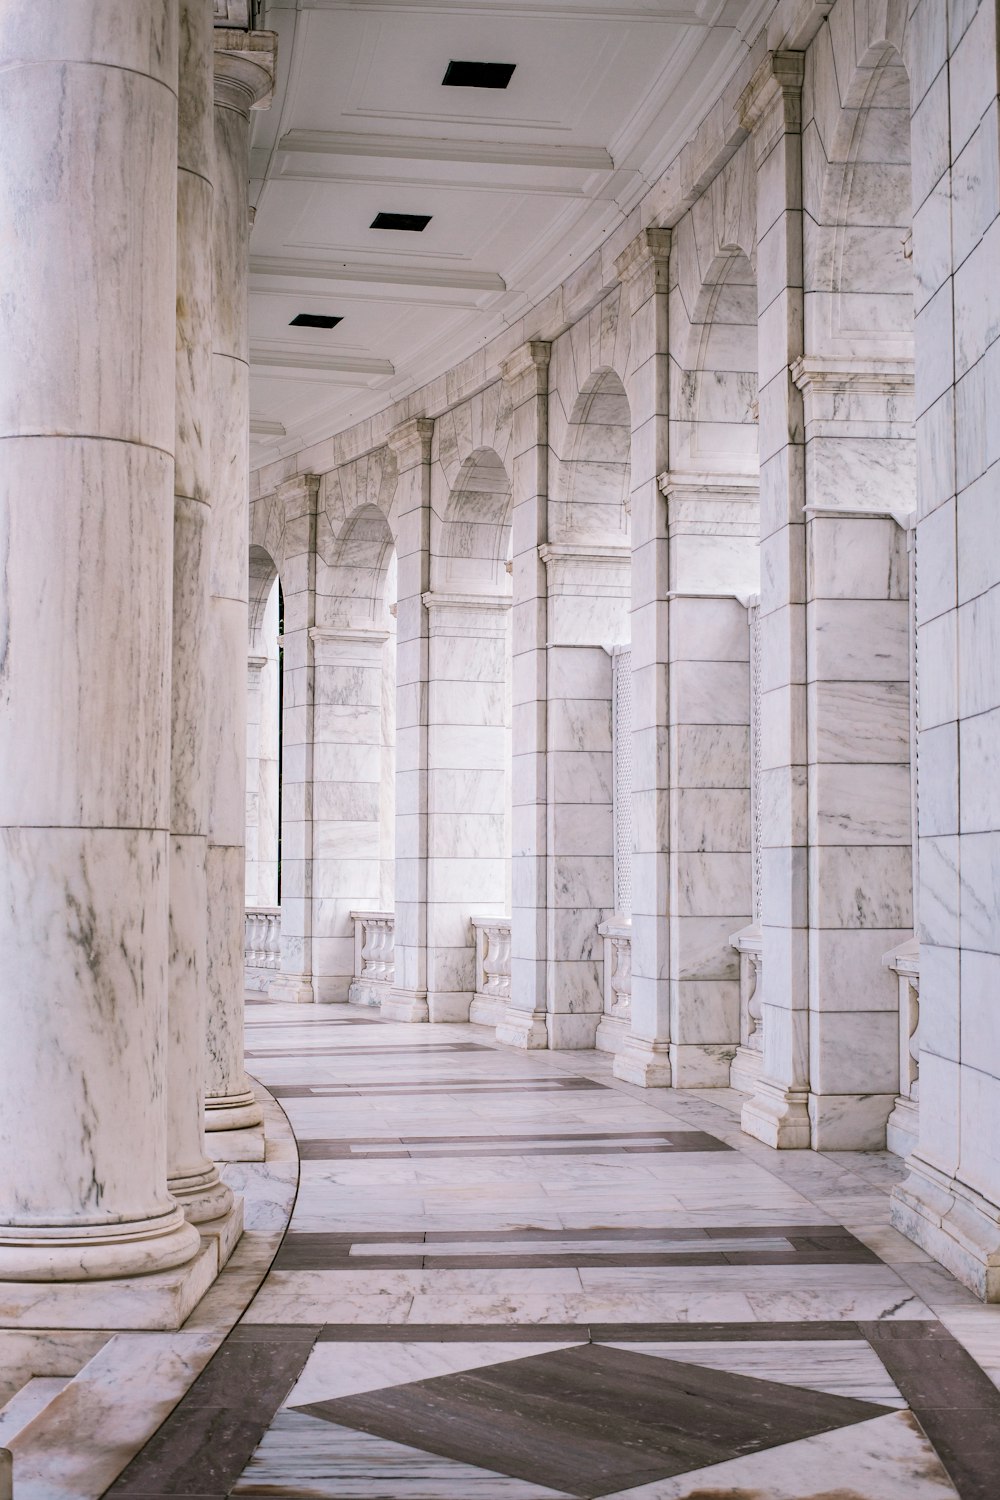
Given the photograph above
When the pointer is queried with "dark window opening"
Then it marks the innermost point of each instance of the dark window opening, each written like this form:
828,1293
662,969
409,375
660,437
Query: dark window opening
415,222
314,320
478,75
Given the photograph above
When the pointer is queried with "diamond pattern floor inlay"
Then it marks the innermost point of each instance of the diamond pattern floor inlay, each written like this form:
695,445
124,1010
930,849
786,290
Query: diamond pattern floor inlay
508,1276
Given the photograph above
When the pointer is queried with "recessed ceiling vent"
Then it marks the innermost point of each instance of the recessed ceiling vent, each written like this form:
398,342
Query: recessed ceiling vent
314,320
414,222
478,75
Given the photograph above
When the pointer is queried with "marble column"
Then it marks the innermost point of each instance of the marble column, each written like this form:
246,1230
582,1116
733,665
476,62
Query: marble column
643,269
467,748
526,375
860,493
193,1179
771,110
244,75
88,192
589,589
411,447
299,500
712,526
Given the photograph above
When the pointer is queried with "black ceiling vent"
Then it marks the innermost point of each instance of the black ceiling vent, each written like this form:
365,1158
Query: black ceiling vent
314,320
478,75
415,222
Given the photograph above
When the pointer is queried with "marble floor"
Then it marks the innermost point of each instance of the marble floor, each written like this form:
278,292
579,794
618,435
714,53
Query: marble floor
509,1276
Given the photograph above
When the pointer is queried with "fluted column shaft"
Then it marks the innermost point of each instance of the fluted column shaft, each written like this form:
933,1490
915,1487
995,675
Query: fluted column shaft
193,1178
244,73
87,324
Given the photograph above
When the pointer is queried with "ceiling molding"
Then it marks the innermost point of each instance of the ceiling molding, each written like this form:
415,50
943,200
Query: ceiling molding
686,13
262,427
262,358
398,147
364,272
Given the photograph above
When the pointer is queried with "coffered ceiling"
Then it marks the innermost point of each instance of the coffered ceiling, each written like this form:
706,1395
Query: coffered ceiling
520,184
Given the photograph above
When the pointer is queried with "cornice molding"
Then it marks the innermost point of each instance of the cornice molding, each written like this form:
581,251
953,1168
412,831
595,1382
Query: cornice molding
842,374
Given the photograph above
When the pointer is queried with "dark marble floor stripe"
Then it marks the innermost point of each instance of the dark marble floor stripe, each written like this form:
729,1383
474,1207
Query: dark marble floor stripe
207,1441
337,1053
300,1259
430,1089
555,1333
589,1419
681,1141
955,1402
809,1237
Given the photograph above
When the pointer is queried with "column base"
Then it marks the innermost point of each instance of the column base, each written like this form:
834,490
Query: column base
701,1065
448,1006
202,1195
523,1028
612,1034
487,1010
956,1225
405,1005
230,1112
902,1131
849,1122
745,1070
644,1063
292,989
573,1033
161,1301
778,1117
82,1253
6,1481
238,1145
224,1232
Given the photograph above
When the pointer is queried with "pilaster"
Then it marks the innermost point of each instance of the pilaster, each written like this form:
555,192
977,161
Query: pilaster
771,110
643,269
526,375
411,446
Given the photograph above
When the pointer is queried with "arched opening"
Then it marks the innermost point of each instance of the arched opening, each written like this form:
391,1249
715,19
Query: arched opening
591,501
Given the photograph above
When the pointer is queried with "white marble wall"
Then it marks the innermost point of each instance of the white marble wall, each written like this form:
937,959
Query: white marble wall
950,1203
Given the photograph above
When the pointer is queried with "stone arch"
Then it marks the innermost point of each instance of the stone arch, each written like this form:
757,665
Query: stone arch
857,191
472,542
351,577
713,389
590,499
263,573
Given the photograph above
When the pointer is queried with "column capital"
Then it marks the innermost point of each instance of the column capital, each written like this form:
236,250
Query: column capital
771,103
527,370
643,265
245,64
410,442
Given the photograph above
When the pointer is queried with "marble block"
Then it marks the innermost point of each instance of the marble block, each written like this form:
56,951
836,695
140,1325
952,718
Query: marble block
162,1300
237,1145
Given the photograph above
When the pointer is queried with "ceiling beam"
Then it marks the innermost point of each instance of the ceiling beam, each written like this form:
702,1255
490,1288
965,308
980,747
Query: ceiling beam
436,148
674,12
366,272
321,361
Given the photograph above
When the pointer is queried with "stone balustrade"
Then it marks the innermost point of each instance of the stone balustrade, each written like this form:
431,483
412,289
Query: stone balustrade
746,1065
261,945
902,1126
374,956
489,1003
614,1024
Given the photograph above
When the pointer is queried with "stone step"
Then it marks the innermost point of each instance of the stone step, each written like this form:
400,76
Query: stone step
25,1406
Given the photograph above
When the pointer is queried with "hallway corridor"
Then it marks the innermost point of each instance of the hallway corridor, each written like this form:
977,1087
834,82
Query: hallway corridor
510,1276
